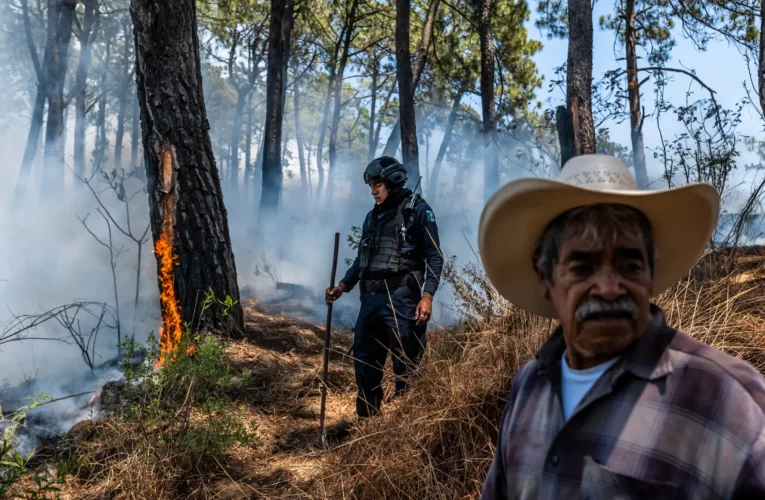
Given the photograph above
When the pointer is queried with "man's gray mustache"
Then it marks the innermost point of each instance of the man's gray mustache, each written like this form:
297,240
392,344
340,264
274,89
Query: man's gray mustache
593,306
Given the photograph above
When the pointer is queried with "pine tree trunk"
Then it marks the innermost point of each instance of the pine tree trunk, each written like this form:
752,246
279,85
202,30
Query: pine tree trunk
89,30
433,186
761,59
381,114
406,93
53,165
491,158
278,50
350,25
298,134
371,131
121,117
136,133
233,174
101,139
247,150
579,76
633,94
422,58
332,65
185,197
38,110
308,168
33,138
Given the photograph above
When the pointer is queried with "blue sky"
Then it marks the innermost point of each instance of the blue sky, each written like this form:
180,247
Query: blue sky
722,67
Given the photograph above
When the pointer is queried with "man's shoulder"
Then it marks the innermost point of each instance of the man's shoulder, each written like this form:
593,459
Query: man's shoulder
699,359
525,374
423,209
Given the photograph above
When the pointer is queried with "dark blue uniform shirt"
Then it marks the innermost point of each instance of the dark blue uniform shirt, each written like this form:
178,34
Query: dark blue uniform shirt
424,245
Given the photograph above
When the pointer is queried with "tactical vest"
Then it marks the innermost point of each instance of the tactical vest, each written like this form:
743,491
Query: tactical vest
381,250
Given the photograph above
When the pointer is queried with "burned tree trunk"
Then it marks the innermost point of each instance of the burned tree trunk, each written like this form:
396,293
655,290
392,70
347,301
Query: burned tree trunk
53,164
278,51
579,76
406,112
186,204
419,66
372,109
490,156
633,95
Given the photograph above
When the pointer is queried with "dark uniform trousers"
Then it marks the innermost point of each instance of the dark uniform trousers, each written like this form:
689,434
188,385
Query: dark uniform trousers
386,323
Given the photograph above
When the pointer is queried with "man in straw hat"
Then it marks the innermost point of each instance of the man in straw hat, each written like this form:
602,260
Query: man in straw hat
616,403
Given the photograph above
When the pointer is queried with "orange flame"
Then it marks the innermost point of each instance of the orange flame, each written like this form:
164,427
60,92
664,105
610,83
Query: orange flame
171,330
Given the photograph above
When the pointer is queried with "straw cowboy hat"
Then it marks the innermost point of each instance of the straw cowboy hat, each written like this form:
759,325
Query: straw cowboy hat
682,221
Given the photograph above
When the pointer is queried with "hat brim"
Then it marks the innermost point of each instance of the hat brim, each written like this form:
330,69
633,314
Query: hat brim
682,219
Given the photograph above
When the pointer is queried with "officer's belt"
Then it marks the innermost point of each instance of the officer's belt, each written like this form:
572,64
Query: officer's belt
380,285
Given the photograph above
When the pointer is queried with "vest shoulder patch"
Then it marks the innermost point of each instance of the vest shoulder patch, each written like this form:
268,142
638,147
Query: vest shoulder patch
430,216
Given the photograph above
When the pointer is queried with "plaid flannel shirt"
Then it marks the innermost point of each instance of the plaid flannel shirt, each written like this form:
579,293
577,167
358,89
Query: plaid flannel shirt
673,418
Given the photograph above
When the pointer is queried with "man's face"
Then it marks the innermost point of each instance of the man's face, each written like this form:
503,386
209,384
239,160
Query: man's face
379,192
601,294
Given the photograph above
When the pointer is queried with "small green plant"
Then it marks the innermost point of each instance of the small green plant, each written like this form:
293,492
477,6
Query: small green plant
13,467
211,300
163,400
16,418
354,240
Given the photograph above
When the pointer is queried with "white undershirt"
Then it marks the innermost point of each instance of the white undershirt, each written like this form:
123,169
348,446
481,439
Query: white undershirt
575,384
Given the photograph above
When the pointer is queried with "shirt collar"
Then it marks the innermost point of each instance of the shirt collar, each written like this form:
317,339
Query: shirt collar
648,358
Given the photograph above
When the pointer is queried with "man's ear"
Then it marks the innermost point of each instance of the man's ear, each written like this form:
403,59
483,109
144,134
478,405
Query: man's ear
544,287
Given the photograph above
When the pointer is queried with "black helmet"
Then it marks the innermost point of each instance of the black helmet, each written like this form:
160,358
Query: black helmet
385,169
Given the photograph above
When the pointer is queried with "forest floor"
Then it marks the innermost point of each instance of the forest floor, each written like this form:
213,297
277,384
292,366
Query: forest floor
434,443
284,354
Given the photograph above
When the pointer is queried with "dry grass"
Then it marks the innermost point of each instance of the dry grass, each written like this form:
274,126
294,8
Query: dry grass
435,443
438,442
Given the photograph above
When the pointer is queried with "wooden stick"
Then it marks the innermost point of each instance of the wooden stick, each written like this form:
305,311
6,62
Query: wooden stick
326,345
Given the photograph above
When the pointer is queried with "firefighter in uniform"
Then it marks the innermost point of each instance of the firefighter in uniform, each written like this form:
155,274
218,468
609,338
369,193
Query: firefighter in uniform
398,269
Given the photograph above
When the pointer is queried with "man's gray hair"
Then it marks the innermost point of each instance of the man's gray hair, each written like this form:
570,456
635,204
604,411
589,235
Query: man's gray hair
593,223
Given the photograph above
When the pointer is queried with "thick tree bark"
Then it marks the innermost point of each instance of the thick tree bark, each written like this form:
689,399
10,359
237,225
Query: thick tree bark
278,50
633,94
406,112
419,66
350,25
298,133
565,134
53,164
490,154
433,186
185,197
90,27
579,75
